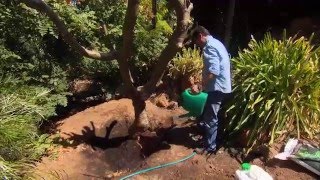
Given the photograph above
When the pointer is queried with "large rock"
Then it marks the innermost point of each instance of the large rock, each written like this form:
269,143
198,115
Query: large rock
85,88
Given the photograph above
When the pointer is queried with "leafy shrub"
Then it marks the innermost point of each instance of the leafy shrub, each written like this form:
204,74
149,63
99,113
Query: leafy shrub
187,63
25,52
276,89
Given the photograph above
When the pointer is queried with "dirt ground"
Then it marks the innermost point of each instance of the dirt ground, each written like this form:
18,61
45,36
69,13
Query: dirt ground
95,145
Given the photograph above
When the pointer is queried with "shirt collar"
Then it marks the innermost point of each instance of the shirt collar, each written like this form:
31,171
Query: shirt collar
208,37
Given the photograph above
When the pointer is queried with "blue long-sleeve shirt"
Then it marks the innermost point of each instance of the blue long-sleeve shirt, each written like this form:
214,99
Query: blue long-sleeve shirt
216,61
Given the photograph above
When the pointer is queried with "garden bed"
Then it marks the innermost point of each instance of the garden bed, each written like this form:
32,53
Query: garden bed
87,155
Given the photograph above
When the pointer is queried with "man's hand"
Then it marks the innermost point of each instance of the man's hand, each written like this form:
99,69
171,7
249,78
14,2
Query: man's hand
206,79
195,89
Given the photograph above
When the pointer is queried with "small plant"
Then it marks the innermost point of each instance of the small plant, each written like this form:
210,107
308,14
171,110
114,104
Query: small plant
188,63
276,90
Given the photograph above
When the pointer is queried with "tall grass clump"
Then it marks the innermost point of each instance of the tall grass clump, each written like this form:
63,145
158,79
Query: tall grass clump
22,109
276,90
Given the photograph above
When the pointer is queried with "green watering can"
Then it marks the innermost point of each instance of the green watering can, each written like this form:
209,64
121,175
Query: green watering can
194,103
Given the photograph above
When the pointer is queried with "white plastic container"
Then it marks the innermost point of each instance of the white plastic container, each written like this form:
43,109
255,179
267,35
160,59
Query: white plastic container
252,172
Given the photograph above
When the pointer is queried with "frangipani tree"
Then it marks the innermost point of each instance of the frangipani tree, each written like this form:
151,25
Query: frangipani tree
123,55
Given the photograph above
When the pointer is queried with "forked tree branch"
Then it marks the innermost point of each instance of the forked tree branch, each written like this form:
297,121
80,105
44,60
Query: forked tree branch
42,7
183,9
127,45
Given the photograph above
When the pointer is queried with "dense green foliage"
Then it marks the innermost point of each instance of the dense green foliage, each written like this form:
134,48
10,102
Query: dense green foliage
36,66
277,90
32,84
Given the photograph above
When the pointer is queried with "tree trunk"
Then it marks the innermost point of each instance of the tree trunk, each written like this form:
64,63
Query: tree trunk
127,44
154,12
229,23
142,122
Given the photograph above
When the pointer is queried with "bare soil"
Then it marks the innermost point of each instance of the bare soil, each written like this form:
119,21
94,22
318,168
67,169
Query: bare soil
94,144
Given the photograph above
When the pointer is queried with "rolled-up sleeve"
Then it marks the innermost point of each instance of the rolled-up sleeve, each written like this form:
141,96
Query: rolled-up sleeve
212,56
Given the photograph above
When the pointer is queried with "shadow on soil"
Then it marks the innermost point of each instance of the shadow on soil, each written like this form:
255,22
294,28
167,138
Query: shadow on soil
73,107
147,143
89,137
188,136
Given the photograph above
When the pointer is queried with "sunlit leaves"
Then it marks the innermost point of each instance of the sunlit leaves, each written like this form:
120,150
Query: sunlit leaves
277,89
187,63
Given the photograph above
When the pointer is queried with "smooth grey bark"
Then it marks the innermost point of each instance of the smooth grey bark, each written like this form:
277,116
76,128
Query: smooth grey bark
228,31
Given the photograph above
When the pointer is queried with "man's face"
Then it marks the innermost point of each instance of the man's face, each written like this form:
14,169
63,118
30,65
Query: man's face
200,40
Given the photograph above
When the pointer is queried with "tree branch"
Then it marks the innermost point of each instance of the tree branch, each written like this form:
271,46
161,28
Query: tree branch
228,29
154,12
42,7
127,45
183,9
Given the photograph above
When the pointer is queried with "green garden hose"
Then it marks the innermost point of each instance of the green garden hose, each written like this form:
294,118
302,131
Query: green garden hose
158,167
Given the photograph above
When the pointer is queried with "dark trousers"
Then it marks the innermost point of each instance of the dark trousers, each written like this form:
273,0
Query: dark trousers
209,118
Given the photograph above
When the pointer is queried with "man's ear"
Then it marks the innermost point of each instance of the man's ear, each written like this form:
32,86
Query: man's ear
201,35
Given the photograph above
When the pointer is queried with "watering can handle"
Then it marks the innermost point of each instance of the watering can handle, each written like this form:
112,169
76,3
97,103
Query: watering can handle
188,91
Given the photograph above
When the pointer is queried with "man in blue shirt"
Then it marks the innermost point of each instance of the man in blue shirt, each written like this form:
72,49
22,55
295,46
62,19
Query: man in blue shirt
216,81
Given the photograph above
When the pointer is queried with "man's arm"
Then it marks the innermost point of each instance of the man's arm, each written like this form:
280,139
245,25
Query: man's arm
208,78
212,56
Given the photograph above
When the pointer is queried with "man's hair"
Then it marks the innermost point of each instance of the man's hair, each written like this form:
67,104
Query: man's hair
197,30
